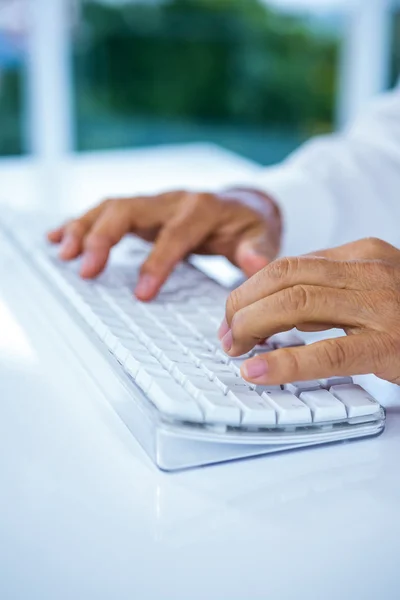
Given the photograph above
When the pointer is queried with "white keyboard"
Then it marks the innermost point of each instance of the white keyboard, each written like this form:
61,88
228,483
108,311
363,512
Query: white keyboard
189,404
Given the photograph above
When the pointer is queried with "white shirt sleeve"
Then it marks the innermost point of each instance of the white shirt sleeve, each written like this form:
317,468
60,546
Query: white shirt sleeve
342,187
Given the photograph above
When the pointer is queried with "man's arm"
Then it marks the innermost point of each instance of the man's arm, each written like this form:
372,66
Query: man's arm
339,188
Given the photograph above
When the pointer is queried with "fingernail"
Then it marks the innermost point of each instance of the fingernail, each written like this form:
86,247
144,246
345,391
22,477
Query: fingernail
255,368
223,330
253,251
68,246
227,341
146,286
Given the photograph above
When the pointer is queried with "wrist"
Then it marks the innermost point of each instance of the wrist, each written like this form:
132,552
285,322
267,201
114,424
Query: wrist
256,200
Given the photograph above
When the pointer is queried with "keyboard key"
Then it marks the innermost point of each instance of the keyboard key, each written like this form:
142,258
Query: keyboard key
148,374
219,408
178,357
213,368
171,399
132,365
147,360
261,349
135,347
236,364
330,381
100,329
230,382
120,352
220,355
356,400
290,409
255,410
197,385
324,406
164,344
286,340
195,345
260,389
111,341
297,387
185,371
204,356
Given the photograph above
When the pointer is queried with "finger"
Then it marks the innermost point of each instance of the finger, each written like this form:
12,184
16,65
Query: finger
289,272
110,227
252,255
344,356
55,236
74,232
288,308
176,240
71,242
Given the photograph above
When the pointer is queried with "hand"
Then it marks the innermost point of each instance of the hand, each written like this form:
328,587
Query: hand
355,287
243,225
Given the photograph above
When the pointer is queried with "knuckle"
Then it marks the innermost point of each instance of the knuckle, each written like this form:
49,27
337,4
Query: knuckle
75,227
205,199
297,299
170,196
374,246
334,355
283,268
291,364
117,204
233,303
200,202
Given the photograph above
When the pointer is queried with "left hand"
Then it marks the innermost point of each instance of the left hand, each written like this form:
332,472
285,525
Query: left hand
240,223
355,287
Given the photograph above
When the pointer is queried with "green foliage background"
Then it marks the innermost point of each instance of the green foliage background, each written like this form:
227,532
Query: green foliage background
11,111
229,71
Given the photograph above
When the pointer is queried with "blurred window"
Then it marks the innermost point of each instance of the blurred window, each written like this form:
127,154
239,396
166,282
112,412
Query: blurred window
12,54
395,55
241,73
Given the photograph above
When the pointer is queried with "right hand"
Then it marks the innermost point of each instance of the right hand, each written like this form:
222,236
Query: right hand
243,225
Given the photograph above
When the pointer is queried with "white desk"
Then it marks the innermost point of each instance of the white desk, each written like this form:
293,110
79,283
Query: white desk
84,514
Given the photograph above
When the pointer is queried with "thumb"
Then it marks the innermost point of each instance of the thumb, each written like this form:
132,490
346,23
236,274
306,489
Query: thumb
252,255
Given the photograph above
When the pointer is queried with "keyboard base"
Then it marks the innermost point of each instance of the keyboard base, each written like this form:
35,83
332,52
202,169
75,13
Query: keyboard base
173,453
